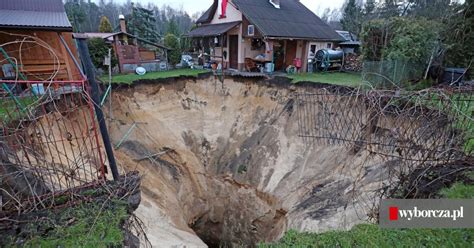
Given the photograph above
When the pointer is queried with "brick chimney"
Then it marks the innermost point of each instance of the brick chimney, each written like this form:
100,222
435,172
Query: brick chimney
123,24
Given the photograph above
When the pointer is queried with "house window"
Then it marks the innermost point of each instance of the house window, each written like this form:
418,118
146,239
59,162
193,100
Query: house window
329,45
251,30
219,41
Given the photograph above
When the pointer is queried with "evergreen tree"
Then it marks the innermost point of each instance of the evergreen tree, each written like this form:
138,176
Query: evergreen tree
352,17
76,14
369,7
142,24
105,26
172,42
173,27
459,35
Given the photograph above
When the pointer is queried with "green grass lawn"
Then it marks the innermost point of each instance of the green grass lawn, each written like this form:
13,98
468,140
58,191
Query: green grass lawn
91,225
337,78
98,223
130,78
368,235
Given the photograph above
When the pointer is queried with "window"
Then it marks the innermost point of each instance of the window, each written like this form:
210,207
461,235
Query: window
251,30
329,45
312,51
219,41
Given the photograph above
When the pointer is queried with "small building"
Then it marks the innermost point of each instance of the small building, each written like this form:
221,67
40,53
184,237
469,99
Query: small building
36,41
241,33
350,43
133,51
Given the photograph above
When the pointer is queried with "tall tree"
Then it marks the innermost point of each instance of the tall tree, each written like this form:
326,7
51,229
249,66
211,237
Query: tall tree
173,27
142,23
171,41
105,26
352,17
369,7
76,14
432,9
459,36
325,16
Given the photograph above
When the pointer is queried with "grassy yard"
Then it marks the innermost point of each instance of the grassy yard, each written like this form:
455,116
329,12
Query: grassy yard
98,223
86,225
130,78
337,78
368,235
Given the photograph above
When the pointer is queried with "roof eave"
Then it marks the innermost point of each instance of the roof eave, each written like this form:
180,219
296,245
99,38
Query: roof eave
38,28
301,38
139,39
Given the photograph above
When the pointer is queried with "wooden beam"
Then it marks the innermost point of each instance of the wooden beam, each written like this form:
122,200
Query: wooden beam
65,54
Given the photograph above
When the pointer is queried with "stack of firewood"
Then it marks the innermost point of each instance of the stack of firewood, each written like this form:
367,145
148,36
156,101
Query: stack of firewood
353,62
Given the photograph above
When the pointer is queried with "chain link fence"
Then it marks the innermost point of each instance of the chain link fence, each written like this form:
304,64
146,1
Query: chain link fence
391,74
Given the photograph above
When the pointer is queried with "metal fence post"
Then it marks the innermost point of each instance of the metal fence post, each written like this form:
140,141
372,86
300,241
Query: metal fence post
89,70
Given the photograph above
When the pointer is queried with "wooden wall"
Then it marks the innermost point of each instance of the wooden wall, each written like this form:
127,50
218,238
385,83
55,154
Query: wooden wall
37,62
147,55
245,27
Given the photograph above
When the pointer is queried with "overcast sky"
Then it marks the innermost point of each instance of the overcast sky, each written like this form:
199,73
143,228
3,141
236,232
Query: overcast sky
193,6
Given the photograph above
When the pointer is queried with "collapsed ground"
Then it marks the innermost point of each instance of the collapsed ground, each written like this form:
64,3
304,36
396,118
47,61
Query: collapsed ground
228,164
224,163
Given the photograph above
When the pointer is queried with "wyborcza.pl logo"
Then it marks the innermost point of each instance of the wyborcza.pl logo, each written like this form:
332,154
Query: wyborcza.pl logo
410,214
437,213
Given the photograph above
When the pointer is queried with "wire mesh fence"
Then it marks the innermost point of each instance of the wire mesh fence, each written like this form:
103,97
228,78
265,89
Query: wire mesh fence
391,74
411,132
434,125
48,140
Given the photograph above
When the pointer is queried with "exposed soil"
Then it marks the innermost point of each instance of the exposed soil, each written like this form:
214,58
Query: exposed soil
231,168
223,164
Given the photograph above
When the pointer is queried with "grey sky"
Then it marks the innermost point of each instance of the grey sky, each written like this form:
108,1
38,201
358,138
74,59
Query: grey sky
193,6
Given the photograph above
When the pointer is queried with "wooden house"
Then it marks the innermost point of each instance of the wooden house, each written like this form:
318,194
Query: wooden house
133,51
36,41
276,32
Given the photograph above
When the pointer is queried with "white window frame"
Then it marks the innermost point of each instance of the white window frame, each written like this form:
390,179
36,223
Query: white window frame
251,30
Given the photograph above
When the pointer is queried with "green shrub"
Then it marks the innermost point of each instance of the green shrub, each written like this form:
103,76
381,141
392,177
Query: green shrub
172,42
98,50
408,39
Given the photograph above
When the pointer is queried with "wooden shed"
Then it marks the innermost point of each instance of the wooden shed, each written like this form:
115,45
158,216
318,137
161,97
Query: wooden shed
36,41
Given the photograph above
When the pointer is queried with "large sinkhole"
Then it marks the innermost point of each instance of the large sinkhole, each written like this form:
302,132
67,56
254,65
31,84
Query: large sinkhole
225,164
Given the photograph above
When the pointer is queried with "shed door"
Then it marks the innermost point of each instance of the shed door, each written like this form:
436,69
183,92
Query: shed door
234,51
290,52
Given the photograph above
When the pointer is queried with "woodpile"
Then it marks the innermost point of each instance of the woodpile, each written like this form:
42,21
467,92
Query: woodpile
353,62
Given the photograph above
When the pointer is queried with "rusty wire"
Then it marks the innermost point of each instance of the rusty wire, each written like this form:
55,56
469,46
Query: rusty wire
48,135
414,130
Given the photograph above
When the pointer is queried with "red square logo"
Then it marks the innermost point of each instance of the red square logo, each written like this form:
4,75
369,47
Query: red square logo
393,213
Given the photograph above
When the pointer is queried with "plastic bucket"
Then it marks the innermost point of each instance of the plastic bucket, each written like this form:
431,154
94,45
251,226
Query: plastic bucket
269,67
